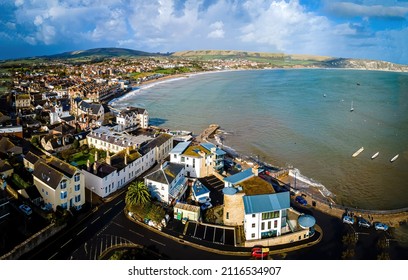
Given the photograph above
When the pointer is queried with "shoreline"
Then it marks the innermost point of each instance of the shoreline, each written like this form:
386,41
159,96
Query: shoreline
308,182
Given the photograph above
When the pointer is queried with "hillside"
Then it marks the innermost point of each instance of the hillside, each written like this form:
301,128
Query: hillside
293,60
103,53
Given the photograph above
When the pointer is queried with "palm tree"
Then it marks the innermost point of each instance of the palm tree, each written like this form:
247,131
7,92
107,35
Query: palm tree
137,194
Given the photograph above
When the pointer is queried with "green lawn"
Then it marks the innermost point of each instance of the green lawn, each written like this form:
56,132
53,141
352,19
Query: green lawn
81,158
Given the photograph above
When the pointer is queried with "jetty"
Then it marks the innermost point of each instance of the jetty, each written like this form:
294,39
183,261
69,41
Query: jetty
208,132
358,152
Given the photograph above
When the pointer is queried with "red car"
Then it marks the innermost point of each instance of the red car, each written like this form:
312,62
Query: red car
260,252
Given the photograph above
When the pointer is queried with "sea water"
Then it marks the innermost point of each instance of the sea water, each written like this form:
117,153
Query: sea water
301,118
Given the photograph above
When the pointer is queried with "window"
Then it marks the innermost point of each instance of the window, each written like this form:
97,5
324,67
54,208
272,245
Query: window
253,215
275,224
263,226
227,215
270,215
253,235
77,187
63,195
269,225
78,198
64,205
63,185
77,177
253,225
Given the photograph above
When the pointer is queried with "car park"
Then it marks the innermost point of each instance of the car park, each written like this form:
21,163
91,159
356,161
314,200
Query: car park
380,226
26,209
363,223
301,200
348,220
260,252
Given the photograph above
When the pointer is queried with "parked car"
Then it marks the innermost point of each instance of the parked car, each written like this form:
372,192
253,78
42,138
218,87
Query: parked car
380,226
206,206
260,252
363,223
301,200
26,209
348,220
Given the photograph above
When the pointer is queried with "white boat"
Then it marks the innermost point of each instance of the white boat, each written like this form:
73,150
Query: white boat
394,158
375,155
358,152
351,108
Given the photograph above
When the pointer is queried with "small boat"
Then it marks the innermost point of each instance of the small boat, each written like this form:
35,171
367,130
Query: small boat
324,95
351,108
375,155
358,152
394,158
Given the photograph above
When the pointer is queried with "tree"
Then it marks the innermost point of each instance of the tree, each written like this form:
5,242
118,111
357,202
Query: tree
137,194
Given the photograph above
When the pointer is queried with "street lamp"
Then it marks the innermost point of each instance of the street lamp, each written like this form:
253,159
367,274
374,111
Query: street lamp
92,189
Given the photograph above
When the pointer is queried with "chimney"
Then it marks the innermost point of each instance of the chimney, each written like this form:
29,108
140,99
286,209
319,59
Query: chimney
88,165
95,169
108,158
255,169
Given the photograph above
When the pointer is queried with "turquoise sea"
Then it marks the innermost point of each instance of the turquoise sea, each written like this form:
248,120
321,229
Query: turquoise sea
301,118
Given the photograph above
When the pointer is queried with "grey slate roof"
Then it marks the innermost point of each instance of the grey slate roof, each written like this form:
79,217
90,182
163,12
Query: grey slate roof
165,173
48,175
31,158
156,142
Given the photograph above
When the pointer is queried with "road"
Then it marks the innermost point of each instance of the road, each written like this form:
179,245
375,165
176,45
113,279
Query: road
108,226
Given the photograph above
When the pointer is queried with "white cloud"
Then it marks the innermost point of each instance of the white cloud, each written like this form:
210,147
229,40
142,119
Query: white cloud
170,25
217,30
349,9
18,3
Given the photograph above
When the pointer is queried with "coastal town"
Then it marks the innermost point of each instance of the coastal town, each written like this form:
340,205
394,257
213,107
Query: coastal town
66,153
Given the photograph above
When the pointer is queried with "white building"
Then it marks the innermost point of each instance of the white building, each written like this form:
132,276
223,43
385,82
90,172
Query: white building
104,178
109,140
167,183
57,112
265,215
200,160
132,118
163,144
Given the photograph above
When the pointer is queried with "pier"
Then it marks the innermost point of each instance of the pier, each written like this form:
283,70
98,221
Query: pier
315,198
208,132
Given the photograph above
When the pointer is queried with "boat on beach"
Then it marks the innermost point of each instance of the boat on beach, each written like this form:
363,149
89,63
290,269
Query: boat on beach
375,155
358,152
394,158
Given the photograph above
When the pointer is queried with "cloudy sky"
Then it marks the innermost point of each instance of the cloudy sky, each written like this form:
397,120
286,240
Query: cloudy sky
373,29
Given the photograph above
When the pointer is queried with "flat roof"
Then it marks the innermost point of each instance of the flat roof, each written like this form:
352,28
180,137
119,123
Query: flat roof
256,185
180,147
239,177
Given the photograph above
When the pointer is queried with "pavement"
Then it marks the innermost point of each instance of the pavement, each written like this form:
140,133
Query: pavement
181,234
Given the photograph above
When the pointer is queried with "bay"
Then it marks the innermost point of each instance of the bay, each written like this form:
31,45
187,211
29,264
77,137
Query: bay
301,118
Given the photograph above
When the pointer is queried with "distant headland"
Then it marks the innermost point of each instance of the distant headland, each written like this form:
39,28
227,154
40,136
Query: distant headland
231,59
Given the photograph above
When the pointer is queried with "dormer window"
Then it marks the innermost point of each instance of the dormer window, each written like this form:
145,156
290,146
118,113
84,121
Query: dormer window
63,185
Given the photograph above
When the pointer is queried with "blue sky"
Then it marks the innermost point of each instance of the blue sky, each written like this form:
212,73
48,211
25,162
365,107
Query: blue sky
369,29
